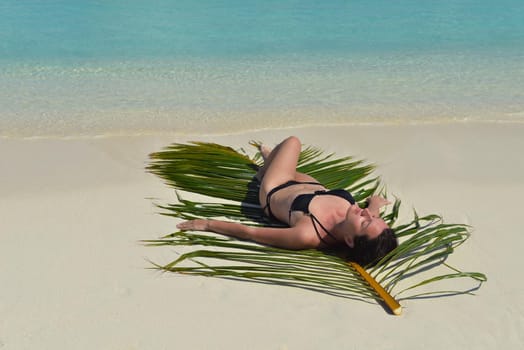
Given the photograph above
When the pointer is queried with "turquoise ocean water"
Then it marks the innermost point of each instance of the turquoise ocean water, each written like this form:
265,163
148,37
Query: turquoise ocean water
86,68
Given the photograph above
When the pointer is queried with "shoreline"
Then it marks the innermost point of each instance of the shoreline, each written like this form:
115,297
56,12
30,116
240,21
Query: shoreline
240,132
73,212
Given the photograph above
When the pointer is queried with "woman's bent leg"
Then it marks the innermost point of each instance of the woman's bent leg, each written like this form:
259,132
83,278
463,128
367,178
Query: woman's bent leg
280,166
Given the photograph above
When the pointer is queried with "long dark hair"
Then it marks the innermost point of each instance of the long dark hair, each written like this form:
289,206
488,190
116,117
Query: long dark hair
368,252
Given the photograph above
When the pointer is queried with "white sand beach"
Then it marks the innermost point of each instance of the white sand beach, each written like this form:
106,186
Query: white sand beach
74,274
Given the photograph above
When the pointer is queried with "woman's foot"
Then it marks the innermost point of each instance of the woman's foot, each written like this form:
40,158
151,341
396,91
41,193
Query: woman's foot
265,151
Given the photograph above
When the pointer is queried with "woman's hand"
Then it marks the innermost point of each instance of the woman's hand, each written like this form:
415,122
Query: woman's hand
196,225
377,201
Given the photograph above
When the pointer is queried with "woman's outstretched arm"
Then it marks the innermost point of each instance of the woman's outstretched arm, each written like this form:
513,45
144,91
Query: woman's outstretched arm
288,238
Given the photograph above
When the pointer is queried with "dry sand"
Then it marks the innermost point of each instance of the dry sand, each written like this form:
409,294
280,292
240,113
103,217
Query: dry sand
73,274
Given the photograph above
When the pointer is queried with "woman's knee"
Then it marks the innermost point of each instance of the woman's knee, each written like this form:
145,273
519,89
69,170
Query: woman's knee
293,140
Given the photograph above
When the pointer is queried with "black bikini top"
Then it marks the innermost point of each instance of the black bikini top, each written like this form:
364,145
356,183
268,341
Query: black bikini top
301,203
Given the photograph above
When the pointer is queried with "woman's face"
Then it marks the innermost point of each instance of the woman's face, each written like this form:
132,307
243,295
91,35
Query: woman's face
360,222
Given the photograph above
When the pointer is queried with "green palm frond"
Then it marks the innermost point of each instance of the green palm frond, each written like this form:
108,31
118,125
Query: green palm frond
213,170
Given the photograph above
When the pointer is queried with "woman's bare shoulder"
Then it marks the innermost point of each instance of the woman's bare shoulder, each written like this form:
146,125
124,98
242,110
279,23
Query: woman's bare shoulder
305,226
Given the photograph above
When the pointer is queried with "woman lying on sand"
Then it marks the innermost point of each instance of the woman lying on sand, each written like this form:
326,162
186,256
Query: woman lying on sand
317,217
